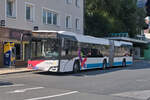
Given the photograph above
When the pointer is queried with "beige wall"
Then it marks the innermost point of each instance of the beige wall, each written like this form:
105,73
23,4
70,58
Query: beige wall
2,9
1,54
58,6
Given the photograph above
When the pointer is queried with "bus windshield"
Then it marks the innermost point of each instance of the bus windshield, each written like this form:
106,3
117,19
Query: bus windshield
45,48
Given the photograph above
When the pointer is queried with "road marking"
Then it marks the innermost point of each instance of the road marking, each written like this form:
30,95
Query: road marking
141,80
142,95
52,96
15,85
24,90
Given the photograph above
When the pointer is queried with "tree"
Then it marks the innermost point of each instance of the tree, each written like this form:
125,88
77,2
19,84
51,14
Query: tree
113,16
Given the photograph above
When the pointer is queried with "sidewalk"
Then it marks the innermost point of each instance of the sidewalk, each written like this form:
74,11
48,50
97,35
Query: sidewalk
4,71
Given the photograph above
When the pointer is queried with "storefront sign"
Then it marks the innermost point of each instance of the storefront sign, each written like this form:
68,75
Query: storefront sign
16,34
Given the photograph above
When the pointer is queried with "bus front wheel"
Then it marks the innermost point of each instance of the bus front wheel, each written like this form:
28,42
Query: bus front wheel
76,67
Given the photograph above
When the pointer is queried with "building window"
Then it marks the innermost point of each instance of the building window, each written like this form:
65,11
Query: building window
77,3
29,12
77,24
69,1
11,8
44,16
50,17
55,18
68,22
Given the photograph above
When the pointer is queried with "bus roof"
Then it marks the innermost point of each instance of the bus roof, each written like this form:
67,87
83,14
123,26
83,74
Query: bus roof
86,38
119,43
79,37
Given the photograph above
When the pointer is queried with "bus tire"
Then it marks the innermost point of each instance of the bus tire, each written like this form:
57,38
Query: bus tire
104,64
76,67
124,63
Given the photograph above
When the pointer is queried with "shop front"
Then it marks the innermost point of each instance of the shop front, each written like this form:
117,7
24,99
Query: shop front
14,47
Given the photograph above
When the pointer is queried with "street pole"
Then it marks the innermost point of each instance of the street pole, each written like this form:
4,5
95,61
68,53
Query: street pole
21,47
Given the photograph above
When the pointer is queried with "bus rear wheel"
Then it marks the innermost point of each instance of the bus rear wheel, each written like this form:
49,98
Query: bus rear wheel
124,63
104,64
76,67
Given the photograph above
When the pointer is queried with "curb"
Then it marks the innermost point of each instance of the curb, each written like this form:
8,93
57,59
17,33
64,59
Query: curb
17,72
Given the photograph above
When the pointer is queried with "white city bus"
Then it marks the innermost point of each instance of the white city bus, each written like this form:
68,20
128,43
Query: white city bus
61,51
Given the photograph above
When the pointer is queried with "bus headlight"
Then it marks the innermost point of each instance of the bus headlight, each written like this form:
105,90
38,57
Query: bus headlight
53,69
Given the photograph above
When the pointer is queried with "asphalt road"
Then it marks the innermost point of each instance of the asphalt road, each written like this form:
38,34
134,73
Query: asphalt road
130,83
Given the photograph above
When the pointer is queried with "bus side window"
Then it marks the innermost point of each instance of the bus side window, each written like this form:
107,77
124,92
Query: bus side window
89,54
83,52
100,54
94,52
67,51
131,52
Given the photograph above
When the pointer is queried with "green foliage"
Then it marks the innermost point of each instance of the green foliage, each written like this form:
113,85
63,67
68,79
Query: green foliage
113,16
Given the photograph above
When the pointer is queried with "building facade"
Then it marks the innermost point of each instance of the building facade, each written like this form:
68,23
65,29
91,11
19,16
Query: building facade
56,15
19,17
